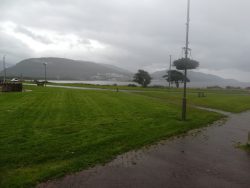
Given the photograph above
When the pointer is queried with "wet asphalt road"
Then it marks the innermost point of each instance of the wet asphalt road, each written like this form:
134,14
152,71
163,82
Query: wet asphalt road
204,158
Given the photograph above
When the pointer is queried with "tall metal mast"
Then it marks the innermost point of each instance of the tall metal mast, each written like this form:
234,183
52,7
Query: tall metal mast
4,69
170,67
45,73
184,100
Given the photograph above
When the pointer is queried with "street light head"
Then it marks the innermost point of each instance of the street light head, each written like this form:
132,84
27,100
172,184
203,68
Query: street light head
45,63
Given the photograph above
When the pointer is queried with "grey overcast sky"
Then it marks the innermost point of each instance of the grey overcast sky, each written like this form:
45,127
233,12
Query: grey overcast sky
130,34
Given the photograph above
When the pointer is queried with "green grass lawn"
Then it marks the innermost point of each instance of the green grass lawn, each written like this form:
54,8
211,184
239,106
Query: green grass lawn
245,147
248,147
49,132
111,87
152,88
230,101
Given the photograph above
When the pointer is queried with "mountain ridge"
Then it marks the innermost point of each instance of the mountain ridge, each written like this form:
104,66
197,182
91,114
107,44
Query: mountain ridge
62,69
199,79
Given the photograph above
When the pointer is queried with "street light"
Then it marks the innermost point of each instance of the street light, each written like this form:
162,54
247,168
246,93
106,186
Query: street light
4,69
170,67
45,72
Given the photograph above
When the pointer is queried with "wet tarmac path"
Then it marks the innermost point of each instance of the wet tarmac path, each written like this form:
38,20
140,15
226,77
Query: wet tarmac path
203,158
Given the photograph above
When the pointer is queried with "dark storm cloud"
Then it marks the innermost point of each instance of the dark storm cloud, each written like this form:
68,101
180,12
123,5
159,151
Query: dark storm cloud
139,34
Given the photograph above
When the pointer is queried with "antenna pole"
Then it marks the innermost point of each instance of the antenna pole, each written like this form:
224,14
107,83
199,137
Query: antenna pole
45,73
184,100
4,69
170,67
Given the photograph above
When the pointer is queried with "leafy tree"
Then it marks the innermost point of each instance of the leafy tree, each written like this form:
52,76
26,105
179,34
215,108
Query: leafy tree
176,77
142,77
180,64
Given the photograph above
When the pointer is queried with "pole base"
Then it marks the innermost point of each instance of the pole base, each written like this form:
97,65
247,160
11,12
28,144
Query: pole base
248,138
184,109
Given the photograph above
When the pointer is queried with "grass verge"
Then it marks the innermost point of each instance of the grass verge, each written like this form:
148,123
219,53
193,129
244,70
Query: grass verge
226,101
246,147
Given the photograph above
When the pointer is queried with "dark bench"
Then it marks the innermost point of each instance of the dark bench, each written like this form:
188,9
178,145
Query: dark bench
40,84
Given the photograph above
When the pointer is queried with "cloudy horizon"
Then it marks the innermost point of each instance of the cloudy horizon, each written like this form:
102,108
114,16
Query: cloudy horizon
129,34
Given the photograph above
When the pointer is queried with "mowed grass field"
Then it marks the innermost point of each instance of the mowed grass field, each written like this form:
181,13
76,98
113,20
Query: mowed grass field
245,147
248,147
230,101
49,132
150,88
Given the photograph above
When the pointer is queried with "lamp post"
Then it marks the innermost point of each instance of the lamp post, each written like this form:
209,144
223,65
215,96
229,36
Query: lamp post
4,69
45,73
170,67
184,100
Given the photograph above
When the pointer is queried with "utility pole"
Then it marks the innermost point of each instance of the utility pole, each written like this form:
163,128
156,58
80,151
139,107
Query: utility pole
184,100
45,73
21,77
169,73
4,69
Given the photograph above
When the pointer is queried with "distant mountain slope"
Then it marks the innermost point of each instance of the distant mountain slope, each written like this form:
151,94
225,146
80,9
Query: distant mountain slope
198,79
67,69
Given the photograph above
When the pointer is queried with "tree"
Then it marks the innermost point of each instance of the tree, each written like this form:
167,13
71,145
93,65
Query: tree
176,77
142,77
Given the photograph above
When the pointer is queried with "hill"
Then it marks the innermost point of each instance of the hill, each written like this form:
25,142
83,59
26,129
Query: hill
198,79
67,69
